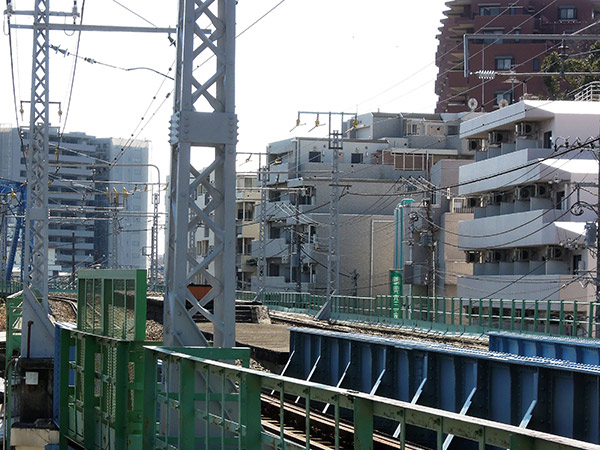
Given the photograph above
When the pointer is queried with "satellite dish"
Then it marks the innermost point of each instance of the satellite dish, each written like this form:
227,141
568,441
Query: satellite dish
503,103
473,103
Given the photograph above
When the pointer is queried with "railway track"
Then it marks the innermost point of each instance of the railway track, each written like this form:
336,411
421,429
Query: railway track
322,427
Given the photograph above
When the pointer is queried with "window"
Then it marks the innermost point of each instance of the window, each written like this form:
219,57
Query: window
496,10
567,13
503,95
356,158
492,31
536,64
504,62
314,157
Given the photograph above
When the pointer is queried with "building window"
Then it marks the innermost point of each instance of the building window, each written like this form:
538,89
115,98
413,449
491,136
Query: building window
356,158
314,157
504,62
492,31
536,64
503,95
496,10
567,13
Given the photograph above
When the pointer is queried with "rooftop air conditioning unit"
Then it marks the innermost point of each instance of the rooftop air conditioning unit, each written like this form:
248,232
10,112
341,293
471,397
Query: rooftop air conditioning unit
497,137
525,129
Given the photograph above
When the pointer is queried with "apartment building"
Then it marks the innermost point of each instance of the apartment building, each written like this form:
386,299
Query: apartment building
382,160
490,18
82,195
534,189
248,195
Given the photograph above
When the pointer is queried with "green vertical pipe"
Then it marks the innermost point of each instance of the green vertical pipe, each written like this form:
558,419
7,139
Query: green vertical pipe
501,315
63,414
452,311
121,395
253,420
523,316
548,316
574,331
536,316
363,424
307,416
561,330
150,398
490,313
186,403
89,376
470,311
512,314
481,312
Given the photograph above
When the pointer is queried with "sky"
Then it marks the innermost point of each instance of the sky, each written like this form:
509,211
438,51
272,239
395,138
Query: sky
306,55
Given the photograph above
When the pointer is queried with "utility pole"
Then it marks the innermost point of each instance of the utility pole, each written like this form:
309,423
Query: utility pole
298,241
261,265
154,243
336,143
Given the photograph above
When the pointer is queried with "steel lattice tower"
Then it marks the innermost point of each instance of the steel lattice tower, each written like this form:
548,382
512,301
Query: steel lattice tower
203,120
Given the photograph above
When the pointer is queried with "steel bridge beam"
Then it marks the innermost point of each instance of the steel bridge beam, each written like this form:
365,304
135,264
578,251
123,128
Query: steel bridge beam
552,396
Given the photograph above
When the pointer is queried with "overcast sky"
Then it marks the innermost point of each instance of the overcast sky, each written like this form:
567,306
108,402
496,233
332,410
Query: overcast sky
333,55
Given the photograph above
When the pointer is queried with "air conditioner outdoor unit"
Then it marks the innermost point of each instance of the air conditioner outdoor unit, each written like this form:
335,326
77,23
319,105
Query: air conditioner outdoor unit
524,193
525,129
542,190
555,253
475,145
493,256
497,137
472,257
521,254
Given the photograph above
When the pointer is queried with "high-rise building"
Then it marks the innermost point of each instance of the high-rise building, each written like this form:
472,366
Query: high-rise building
83,209
494,54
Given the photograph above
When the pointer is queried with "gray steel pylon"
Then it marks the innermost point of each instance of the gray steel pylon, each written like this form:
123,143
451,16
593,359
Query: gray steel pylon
204,122
37,328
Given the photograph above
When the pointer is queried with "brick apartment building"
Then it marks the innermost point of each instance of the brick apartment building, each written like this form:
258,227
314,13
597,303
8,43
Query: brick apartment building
504,17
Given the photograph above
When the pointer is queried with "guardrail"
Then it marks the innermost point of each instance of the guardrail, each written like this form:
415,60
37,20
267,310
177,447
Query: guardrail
449,314
191,416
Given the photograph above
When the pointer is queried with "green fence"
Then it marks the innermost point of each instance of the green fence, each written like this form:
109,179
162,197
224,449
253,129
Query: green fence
450,314
102,362
191,416
9,288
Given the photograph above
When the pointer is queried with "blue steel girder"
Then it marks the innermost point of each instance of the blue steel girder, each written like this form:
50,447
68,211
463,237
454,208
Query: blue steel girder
584,351
557,397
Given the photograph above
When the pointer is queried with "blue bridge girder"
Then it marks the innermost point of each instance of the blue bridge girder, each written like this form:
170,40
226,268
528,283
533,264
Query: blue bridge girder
583,351
556,397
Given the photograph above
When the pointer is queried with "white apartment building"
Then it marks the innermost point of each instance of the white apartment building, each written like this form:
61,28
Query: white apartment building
383,155
532,197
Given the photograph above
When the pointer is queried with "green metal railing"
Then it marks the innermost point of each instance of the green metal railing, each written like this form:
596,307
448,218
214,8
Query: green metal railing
191,416
9,288
112,303
450,314
102,362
